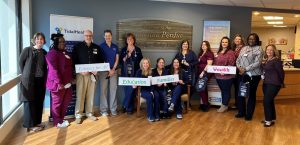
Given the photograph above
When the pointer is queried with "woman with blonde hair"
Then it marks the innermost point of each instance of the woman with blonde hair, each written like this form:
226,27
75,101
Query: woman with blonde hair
273,80
148,92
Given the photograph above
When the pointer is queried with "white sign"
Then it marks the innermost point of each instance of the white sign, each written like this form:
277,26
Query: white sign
92,67
130,81
164,79
221,69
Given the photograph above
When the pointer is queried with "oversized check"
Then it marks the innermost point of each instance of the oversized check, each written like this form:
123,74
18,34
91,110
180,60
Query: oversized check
221,69
130,81
164,79
92,67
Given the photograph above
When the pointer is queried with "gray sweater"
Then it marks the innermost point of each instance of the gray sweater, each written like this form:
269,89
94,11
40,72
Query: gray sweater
250,58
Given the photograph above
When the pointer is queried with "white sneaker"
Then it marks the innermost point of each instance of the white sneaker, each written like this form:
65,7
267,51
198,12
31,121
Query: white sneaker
223,108
66,122
62,125
104,114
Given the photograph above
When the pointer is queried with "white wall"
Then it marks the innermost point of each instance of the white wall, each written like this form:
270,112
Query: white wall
266,33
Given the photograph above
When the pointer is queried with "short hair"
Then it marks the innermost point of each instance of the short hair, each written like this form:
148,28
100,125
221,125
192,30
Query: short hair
36,35
228,47
242,41
130,35
275,51
107,31
256,39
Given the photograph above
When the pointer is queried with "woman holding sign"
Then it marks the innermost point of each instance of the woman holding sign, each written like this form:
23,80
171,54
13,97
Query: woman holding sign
161,89
177,87
225,57
148,92
249,65
205,58
130,57
60,71
188,60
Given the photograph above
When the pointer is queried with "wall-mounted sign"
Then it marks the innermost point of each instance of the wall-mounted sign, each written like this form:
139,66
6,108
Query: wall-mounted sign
92,67
155,34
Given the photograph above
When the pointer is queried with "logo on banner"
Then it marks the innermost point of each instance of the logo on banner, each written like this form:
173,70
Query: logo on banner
67,31
221,69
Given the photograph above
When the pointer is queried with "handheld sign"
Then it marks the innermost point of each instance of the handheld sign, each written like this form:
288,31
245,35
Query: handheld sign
92,67
164,79
221,69
130,81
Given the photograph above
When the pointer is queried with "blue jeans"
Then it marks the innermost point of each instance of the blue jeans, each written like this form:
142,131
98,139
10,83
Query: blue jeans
225,86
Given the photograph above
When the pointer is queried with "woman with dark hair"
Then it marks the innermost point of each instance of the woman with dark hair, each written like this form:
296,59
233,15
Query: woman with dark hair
148,92
273,76
130,57
205,58
177,87
188,60
161,89
33,69
60,69
225,57
249,65
237,45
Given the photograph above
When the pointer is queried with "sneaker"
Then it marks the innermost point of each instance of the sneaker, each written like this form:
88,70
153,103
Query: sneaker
114,113
268,123
66,122
93,118
61,125
104,114
171,108
150,119
78,120
34,129
223,108
179,116
157,118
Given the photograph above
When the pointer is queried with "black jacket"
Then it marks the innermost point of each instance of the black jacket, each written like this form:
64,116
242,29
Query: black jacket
27,64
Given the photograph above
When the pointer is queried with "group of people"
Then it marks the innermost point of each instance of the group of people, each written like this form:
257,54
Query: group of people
55,71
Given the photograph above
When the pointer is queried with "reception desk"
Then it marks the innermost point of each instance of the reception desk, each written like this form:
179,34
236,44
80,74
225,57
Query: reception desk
292,85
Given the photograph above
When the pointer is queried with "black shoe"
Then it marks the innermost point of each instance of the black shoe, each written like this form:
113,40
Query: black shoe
129,112
124,109
239,115
248,118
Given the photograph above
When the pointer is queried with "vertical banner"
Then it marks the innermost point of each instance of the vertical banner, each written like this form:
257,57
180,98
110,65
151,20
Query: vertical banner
72,27
213,31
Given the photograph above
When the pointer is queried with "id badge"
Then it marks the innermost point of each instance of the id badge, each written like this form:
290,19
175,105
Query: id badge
245,54
95,51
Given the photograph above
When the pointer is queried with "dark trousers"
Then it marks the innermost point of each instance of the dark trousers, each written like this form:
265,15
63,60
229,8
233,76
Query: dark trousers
204,96
152,101
270,92
176,98
33,110
162,95
59,104
236,84
128,100
248,109
225,87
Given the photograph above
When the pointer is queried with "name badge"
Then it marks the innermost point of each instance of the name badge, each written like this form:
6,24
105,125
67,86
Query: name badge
245,54
95,51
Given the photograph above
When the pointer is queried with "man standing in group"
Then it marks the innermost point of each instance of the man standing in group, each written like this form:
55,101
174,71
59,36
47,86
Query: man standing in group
111,55
86,52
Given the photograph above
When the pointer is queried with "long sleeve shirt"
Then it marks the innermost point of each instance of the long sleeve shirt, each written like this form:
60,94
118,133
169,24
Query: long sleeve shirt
225,59
273,72
250,58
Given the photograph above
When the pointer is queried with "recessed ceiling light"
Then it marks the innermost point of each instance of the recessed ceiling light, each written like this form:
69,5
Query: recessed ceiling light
273,18
297,16
275,22
256,13
280,26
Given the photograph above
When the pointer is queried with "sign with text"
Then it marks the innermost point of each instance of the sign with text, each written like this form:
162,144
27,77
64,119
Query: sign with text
92,67
130,81
164,79
221,69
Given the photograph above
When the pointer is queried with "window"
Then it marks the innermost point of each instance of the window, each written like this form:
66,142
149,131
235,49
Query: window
9,54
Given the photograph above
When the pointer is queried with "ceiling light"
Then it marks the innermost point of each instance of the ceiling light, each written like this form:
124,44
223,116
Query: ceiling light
280,26
256,13
273,18
297,16
275,22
